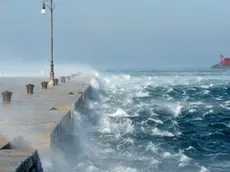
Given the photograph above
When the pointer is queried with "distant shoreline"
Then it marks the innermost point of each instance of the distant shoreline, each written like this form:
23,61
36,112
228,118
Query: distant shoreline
220,66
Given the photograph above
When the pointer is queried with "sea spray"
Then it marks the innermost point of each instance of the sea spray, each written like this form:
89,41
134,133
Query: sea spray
159,121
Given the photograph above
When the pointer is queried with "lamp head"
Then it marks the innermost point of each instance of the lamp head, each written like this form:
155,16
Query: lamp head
43,10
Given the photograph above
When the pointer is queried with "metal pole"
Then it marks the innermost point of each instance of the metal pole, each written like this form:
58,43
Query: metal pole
51,58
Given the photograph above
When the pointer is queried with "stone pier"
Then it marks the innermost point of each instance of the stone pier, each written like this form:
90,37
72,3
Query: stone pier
34,125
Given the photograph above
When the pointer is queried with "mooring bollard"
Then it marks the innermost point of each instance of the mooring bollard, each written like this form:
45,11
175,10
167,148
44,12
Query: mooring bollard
44,84
56,81
68,77
30,89
63,79
6,96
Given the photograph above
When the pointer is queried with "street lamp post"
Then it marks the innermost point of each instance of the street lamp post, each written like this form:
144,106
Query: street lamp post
43,11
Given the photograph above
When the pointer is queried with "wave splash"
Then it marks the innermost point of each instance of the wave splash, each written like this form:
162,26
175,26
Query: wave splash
155,121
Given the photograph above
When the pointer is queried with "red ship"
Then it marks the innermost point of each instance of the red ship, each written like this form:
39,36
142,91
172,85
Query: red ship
224,63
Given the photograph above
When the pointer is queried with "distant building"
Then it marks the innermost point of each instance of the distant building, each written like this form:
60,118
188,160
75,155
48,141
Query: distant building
224,61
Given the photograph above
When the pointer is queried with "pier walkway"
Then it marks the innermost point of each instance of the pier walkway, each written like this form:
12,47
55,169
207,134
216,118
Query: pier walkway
34,117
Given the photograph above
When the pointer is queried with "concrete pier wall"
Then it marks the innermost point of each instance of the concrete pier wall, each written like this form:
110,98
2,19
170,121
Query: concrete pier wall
63,140
17,160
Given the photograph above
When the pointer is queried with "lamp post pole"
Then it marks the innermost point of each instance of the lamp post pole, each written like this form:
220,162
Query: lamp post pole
43,11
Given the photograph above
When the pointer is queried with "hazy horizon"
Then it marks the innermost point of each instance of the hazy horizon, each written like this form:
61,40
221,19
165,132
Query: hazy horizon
115,34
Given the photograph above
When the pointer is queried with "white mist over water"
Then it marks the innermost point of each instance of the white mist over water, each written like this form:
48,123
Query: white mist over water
44,70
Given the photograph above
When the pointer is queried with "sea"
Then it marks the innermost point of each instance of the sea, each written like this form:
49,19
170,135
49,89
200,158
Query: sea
156,121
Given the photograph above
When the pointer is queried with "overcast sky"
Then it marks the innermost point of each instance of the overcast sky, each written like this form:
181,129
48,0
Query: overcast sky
116,33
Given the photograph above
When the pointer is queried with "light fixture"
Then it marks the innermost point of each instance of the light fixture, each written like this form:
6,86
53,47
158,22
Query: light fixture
43,10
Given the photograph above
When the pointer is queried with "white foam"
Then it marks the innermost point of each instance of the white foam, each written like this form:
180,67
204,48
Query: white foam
206,92
104,125
152,147
192,110
119,113
196,103
141,94
128,126
124,169
127,77
190,147
205,86
199,78
167,155
178,110
170,89
175,108
158,132
184,158
155,120
225,107
203,169
94,83
92,168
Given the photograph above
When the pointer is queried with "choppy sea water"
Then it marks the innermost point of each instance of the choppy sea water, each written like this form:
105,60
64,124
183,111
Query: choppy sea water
156,121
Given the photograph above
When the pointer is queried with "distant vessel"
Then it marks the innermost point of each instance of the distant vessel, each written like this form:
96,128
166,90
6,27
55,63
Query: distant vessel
224,63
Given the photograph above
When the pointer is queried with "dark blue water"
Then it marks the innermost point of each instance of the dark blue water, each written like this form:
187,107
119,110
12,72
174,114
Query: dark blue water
157,121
